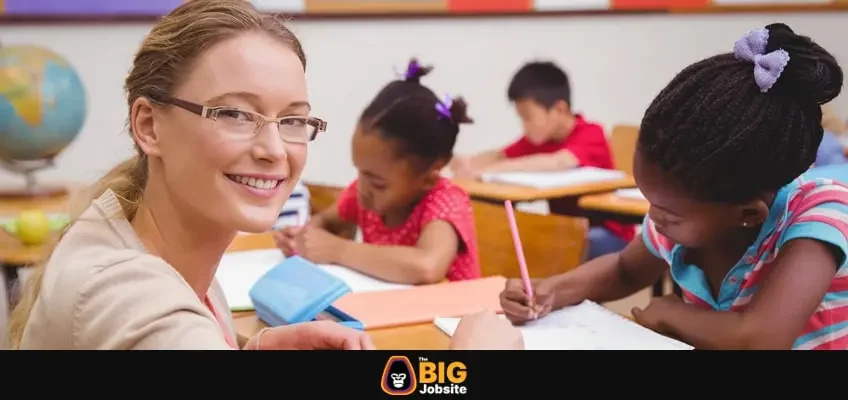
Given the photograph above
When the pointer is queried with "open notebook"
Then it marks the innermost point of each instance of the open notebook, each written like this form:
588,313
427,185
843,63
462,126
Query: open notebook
586,326
555,179
239,270
630,193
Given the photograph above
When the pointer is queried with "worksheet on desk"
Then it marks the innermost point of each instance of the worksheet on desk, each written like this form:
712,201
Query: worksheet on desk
555,179
239,270
585,326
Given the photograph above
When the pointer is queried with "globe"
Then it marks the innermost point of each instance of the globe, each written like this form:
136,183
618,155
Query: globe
42,104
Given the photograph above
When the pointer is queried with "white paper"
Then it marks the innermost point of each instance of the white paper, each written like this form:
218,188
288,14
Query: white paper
632,194
238,272
586,326
555,179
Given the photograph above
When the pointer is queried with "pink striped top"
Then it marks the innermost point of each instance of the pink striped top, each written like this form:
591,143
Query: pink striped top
806,208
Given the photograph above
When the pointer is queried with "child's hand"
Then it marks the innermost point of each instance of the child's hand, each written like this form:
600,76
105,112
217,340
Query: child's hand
654,316
516,305
285,240
318,245
486,331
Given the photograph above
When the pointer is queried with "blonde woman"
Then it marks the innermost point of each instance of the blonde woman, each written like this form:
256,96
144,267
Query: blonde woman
220,119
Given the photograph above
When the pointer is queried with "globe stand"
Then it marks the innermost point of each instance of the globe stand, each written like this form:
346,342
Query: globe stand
28,168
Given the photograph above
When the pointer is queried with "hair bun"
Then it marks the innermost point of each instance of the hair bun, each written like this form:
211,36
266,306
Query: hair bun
812,71
459,111
414,71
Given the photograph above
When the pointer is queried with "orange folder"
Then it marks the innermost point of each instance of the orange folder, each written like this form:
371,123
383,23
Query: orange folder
422,304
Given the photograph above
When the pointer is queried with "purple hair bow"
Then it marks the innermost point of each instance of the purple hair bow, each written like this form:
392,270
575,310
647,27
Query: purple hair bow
411,69
767,66
443,107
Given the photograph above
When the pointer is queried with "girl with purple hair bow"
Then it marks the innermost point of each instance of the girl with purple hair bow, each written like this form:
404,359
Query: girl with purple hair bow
423,223
758,251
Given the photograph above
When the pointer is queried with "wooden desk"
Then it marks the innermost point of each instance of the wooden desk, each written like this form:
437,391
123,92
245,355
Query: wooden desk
413,337
11,250
610,203
502,192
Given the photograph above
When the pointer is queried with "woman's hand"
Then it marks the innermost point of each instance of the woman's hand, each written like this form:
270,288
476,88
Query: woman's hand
319,335
485,330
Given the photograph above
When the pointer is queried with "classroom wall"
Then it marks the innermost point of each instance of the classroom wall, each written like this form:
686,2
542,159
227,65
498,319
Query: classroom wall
617,64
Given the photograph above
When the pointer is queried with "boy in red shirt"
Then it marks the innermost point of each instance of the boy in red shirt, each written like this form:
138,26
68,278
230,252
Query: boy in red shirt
555,138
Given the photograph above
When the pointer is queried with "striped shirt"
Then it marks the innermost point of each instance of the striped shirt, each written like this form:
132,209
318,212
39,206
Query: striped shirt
296,211
814,208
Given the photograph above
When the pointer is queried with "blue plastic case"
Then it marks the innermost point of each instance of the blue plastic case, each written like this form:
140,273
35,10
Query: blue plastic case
296,291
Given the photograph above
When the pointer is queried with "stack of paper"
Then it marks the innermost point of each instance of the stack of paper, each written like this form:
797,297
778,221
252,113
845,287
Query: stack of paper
631,194
556,179
586,326
238,271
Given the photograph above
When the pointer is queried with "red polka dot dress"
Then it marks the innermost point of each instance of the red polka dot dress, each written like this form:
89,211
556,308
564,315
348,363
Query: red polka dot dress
446,202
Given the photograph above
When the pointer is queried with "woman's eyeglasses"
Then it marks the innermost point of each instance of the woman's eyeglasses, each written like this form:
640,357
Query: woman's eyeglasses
244,124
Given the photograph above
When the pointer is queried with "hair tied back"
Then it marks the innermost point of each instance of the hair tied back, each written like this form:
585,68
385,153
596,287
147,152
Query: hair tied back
767,66
414,71
455,110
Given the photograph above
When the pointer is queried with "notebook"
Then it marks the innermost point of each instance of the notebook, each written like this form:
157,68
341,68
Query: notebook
239,270
631,194
555,179
422,304
586,326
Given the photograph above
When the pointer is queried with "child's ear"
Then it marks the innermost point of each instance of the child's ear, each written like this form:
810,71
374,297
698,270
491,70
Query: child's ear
562,107
753,214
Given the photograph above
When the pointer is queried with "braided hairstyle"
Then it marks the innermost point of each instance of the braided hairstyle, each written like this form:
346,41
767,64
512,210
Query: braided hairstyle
406,112
725,139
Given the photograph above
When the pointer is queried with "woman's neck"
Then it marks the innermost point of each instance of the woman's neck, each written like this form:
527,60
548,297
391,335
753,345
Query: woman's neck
172,230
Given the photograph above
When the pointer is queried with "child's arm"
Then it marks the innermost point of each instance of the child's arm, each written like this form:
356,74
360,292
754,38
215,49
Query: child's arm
609,277
486,158
469,167
778,312
426,262
330,221
558,161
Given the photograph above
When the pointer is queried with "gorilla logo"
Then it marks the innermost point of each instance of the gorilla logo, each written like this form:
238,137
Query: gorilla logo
399,377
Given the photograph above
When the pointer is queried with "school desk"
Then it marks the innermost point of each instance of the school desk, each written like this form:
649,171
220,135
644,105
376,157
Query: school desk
417,337
410,337
499,192
12,252
611,203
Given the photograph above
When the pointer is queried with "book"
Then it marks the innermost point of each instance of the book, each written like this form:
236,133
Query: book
630,194
421,304
555,179
585,326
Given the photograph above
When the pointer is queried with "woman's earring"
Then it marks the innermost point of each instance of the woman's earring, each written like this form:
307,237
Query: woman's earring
745,224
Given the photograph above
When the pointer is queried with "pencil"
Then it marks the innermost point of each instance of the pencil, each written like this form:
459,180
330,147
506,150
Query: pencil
519,252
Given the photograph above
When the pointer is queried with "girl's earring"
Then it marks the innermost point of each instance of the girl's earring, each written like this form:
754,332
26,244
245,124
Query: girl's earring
745,224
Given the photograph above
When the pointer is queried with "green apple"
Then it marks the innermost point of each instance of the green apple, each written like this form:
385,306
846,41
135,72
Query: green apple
33,227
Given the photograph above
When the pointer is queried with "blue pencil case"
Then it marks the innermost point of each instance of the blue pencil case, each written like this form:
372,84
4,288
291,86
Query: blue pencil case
296,291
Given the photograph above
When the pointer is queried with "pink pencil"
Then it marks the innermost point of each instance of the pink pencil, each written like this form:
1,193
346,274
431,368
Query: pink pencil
519,251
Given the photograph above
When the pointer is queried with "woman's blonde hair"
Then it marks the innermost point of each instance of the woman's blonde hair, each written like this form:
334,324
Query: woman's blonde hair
164,58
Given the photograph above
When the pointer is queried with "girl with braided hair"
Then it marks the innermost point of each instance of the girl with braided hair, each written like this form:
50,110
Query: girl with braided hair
758,249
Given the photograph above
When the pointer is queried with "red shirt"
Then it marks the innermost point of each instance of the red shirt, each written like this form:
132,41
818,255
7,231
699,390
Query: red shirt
446,202
589,145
